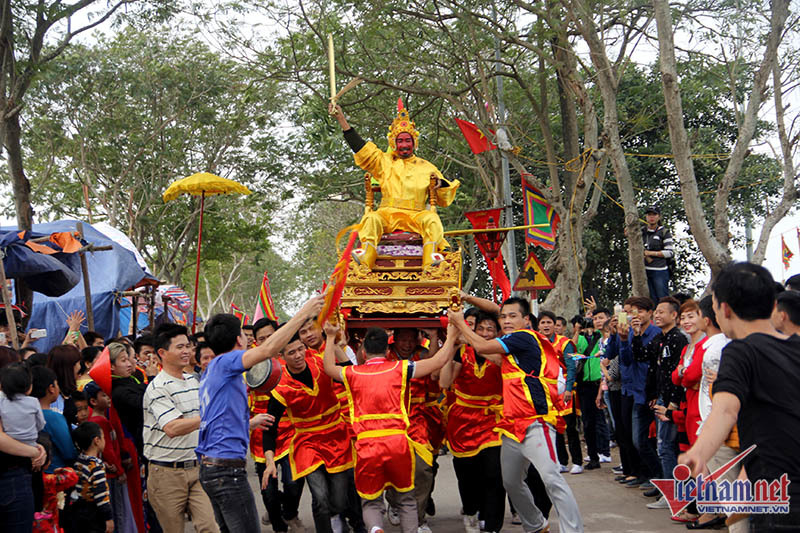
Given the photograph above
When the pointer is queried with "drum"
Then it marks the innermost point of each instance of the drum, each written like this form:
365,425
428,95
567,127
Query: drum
264,376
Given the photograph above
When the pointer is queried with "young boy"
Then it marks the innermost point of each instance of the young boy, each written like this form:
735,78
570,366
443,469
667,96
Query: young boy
81,406
45,388
112,458
90,508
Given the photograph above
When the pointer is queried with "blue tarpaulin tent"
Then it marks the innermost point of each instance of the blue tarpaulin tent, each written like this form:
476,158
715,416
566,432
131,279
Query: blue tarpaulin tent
110,272
52,274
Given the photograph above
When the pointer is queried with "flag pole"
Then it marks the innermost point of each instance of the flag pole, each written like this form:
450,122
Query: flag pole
197,267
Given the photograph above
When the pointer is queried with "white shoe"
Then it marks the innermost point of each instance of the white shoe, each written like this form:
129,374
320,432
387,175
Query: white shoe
660,503
337,524
563,468
296,526
394,516
587,459
604,458
576,469
482,524
424,529
471,524
612,444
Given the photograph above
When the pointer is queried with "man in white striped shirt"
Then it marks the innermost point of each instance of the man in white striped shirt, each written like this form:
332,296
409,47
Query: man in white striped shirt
171,427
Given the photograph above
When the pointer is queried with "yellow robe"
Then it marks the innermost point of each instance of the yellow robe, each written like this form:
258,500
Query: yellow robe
404,195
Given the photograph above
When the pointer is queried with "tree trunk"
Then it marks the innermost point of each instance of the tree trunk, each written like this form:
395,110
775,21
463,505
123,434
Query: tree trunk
11,135
19,182
790,192
714,247
778,16
569,263
606,80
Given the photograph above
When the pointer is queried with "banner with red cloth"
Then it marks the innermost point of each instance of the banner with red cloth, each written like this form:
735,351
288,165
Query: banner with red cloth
489,244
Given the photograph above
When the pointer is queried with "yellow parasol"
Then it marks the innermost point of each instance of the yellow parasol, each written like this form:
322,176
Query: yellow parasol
202,184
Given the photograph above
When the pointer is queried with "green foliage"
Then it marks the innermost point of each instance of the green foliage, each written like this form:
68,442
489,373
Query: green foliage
133,113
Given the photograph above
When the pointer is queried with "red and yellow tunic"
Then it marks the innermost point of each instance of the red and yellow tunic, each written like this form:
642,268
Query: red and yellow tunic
259,403
378,405
474,414
321,436
341,393
426,428
530,383
560,343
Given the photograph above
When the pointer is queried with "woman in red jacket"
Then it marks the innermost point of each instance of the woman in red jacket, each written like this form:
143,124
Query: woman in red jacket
690,370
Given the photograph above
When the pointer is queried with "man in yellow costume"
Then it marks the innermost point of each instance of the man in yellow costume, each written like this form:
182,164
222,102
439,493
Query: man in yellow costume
404,180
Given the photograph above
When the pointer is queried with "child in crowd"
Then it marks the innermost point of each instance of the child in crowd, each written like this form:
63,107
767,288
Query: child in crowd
45,388
46,518
81,407
99,403
21,414
90,508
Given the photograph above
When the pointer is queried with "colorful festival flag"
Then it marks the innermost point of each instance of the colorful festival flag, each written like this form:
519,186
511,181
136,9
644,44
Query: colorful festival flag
538,211
786,254
489,244
238,313
265,307
478,142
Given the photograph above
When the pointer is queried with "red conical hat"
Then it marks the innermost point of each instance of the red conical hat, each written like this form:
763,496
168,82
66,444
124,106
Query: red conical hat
101,371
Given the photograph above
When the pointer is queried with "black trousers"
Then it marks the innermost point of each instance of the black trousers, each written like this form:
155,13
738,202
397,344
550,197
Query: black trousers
281,505
82,517
624,441
480,485
574,440
587,392
633,466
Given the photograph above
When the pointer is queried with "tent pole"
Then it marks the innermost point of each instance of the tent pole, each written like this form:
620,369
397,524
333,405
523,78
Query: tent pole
197,266
87,290
134,329
12,324
151,313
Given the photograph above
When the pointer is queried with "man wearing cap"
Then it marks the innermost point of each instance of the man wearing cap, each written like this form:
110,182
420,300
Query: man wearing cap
658,250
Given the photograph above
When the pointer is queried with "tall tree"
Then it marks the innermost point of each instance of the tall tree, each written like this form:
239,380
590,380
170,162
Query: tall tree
713,239
159,106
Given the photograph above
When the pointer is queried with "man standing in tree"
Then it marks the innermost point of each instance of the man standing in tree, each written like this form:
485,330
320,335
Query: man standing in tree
658,250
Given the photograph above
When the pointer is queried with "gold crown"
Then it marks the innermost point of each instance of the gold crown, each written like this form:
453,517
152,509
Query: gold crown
402,123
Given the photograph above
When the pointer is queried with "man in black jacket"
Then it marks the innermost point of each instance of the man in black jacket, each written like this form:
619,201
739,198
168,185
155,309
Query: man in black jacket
663,354
658,252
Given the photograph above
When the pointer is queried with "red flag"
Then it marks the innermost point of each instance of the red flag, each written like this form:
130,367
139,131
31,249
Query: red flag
499,277
489,244
478,142
338,280
265,307
786,254
238,313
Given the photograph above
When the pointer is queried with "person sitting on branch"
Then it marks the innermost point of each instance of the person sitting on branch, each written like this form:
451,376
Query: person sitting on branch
404,180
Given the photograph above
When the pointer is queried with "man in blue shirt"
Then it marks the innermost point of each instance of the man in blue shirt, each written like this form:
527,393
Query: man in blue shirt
636,413
224,415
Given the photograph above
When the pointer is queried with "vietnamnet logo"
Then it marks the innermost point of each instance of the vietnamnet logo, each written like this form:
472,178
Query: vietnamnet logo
717,496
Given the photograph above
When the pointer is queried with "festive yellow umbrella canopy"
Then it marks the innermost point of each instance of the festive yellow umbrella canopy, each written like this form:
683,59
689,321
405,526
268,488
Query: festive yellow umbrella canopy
202,184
